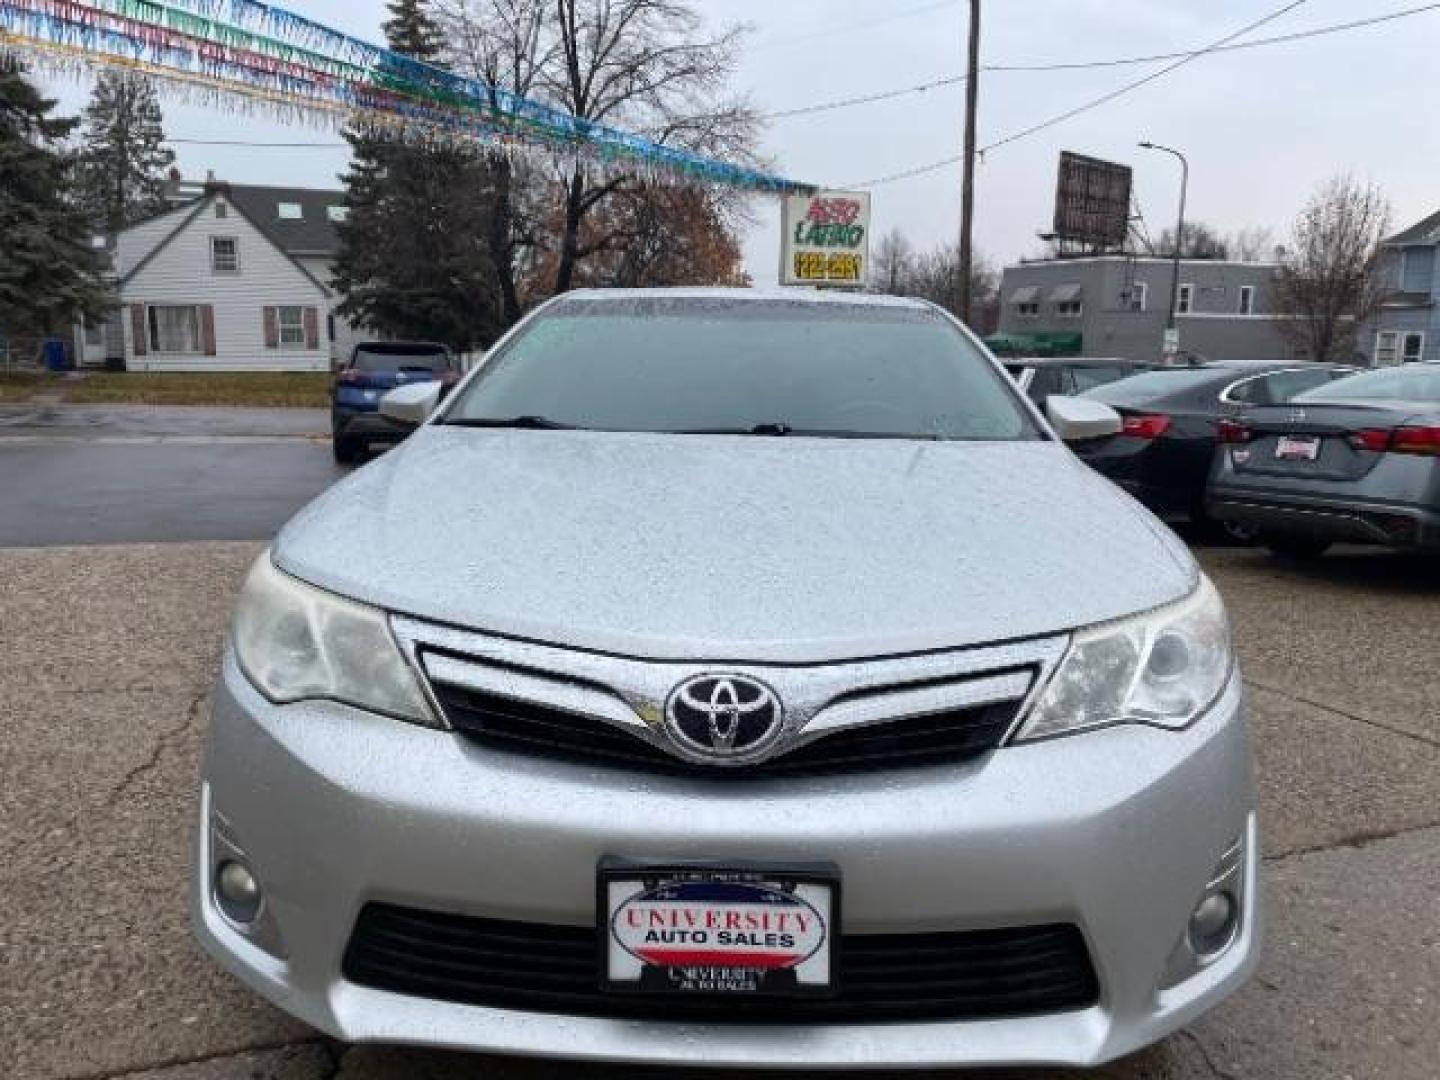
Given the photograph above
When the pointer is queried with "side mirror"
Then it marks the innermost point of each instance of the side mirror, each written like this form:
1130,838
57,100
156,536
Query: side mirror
1077,419
412,404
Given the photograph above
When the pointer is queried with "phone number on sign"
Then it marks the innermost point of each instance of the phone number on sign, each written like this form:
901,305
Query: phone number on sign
819,266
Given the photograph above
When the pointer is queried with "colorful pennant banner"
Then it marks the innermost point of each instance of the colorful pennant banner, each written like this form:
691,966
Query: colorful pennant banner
298,69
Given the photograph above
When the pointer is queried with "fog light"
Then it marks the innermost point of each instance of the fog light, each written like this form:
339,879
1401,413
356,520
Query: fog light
237,892
1213,923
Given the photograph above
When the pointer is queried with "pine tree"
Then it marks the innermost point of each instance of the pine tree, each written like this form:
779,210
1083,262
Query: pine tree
50,275
414,258
124,162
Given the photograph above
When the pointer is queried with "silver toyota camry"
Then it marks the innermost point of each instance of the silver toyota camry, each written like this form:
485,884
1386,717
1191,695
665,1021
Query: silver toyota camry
733,678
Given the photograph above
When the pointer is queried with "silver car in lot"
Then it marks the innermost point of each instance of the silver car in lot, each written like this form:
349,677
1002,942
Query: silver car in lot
741,679
1357,460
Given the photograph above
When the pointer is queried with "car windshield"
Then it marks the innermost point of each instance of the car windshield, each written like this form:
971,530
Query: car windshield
401,358
745,366
1419,382
1149,385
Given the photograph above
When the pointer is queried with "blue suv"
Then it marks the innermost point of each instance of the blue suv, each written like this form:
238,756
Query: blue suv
374,369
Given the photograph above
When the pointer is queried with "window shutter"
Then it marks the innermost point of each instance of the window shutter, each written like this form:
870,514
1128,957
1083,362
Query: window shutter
207,329
272,328
138,330
312,328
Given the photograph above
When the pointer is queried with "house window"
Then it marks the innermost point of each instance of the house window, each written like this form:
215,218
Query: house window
1185,301
291,211
224,255
1417,269
1070,309
1136,297
338,213
291,321
174,329
1247,299
222,209
1412,348
1393,347
1029,310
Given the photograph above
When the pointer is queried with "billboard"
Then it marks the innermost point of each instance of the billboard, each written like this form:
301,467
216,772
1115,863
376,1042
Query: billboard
826,239
1092,201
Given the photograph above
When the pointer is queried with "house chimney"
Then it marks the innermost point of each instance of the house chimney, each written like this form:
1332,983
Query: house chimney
214,186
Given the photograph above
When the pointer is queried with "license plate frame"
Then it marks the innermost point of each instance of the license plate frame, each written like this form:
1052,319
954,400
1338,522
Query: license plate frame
1298,448
814,889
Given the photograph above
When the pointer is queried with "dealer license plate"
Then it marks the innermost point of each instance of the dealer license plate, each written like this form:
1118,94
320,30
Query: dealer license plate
719,931
1298,448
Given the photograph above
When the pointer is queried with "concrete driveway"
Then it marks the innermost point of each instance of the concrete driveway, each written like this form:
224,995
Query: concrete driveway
105,660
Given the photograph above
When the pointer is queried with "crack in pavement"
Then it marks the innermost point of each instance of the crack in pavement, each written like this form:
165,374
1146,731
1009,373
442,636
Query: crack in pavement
1354,842
162,743
1206,1056
206,1059
1392,729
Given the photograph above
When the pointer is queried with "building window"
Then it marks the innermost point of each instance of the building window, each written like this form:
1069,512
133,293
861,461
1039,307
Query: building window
291,321
338,213
291,211
1412,348
1247,299
174,329
222,209
224,255
1392,347
1029,310
1417,269
1185,301
1136,297
1070,309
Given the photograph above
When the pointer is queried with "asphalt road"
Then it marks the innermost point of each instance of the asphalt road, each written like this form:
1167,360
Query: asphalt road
106,654
114,475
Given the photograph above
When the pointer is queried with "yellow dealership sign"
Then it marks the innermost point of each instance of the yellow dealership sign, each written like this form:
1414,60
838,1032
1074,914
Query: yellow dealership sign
826,239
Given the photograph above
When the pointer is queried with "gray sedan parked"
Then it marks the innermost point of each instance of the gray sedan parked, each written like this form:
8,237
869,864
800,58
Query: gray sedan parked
1356,460
735,679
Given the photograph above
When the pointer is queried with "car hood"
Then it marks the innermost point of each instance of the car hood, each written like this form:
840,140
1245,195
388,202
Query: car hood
736,548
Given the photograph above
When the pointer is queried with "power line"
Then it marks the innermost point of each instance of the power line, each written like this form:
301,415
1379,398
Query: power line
1185,57
1144,80
866,99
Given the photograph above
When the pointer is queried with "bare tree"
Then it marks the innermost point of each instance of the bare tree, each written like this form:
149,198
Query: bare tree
504,44
890,268
1202,241
1327,284
1253,244
641,64
935,276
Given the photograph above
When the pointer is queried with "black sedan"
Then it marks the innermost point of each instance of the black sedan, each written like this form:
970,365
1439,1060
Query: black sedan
1040,377
1171,417
1357,460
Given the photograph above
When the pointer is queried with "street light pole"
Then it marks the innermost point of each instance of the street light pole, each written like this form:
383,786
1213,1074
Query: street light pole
1170,326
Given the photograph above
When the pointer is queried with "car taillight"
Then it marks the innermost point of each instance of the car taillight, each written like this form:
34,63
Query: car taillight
1146,427
1416,440
1376,440
1228,431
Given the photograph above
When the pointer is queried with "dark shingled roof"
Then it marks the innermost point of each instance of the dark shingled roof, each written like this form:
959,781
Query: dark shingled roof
1419,233
311,234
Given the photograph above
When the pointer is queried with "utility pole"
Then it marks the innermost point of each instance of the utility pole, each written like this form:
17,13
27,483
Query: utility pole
1172,334
967,206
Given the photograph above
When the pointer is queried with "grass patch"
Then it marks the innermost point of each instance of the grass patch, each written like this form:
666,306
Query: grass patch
301,390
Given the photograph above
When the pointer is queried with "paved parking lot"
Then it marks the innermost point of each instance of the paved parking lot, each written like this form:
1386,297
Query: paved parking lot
106,653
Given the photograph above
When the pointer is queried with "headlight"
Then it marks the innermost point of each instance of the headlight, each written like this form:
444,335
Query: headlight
1162,668
296,642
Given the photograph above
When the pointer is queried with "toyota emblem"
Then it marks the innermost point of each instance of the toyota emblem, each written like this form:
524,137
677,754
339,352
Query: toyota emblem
723,717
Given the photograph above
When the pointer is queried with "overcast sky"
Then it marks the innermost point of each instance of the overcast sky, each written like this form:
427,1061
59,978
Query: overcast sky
1261,127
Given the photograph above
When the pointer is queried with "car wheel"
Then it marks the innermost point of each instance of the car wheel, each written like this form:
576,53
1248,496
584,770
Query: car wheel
1238,532
347,450
1296,546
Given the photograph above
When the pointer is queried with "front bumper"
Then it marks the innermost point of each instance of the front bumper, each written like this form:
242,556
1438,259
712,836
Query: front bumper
1114,831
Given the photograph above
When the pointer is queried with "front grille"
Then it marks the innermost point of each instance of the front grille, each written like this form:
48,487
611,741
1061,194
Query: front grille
531,967
523,727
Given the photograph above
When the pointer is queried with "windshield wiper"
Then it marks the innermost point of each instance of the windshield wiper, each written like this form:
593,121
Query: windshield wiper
524,423
775,429
782,429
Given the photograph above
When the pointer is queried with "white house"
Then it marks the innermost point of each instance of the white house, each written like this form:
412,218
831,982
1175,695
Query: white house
235,279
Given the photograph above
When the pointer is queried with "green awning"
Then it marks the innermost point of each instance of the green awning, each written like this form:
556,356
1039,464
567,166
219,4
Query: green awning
1040,343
